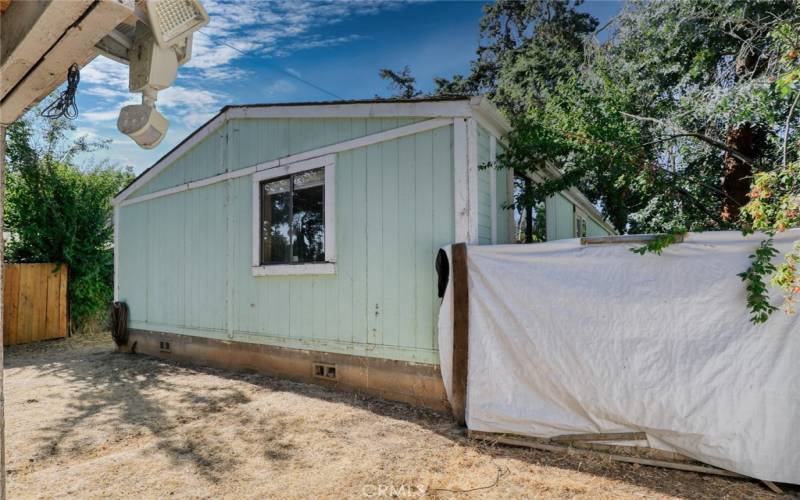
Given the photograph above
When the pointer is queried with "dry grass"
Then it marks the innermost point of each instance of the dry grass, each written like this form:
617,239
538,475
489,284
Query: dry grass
83,421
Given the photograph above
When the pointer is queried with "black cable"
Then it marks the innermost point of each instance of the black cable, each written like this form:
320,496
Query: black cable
65,105
274,66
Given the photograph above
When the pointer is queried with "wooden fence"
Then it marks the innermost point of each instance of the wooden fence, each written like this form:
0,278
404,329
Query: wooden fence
34,302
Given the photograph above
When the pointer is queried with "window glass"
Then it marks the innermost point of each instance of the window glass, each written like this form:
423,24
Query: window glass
309,178
276,202
293,219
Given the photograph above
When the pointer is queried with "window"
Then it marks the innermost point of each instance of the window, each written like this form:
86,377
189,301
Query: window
580,227
293,219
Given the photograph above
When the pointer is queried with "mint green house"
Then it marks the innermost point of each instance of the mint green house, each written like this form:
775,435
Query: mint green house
300,239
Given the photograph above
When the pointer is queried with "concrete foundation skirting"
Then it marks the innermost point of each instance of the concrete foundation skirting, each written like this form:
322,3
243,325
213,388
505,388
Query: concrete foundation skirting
419,384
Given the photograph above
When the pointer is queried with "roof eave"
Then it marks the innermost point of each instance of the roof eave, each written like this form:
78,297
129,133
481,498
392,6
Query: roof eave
488,112
455,107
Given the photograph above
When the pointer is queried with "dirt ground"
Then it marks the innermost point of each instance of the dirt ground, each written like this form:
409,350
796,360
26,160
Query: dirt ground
84,421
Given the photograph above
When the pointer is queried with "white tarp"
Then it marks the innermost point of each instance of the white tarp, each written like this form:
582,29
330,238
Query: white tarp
565,338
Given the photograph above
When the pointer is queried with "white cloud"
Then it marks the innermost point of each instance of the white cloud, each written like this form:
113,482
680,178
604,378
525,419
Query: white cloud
181,96
101,116
106,74
190,107
280,87
259,29
106,92
85,132
238,29
315,42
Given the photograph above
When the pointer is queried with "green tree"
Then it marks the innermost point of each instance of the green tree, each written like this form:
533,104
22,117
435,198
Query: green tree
683,118
58,212
401,82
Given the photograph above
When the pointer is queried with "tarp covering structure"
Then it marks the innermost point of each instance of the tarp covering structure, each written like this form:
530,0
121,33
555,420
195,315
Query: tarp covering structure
570,338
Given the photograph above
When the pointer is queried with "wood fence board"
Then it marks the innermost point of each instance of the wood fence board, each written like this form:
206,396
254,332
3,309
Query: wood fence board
53,300
34,303
25,318
10,304
63,310
39,331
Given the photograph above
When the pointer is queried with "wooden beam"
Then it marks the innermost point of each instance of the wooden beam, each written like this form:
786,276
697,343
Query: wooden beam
460,332
773,487
626,239
75,46
29,30
559,448
601,436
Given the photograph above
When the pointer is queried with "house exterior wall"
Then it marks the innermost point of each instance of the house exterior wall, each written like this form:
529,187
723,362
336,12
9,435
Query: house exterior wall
503,217
560,218
246,142
560,214
185,258
484,190
505,196
595,229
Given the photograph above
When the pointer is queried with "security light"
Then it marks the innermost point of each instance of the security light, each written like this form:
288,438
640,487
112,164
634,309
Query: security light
143,122
172,20
151,65
154,42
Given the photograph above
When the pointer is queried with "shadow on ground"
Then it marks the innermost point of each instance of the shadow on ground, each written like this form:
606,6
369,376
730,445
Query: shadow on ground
135,394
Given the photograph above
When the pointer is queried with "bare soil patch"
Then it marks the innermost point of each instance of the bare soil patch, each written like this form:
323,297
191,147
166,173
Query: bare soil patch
84,421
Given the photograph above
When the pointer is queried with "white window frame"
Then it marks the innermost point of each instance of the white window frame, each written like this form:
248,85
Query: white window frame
328,162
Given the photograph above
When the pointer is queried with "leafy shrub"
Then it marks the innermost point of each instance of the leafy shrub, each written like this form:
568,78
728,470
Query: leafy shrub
56,211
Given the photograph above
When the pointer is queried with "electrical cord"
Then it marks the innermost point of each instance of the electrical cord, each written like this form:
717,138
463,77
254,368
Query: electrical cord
119,323
64,105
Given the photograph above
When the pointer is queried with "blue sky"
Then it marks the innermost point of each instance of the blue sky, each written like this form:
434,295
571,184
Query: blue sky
339,46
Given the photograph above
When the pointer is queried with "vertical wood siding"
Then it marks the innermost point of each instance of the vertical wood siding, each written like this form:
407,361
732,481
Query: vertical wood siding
252,141
595,229
484,190
560,214
186,257
505,216
502,196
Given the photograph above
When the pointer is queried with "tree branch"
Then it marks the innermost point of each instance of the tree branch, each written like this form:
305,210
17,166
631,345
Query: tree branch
786,127
708,140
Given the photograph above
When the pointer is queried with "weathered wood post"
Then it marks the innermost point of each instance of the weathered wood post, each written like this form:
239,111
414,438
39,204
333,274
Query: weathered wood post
460,332
2,253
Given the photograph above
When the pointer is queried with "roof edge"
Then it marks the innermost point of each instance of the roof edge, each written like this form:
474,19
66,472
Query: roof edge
434,107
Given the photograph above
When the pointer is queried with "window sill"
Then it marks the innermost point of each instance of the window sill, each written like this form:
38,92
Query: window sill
295,269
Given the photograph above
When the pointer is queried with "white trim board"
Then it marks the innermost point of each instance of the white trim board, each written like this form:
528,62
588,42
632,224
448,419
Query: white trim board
472,176
493,186
460,181
116,254
420,109
489,116
311,268
368,140
478,107
327,162
170,157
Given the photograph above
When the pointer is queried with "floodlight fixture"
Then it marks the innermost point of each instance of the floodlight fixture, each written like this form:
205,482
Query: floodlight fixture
143,122
172,20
